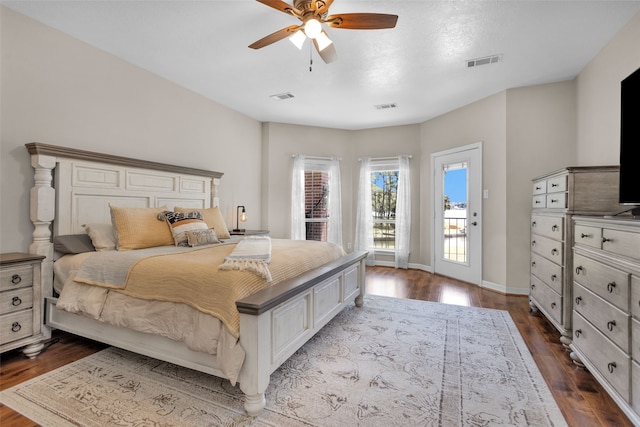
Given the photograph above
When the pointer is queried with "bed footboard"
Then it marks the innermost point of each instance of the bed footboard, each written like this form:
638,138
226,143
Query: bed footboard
277,321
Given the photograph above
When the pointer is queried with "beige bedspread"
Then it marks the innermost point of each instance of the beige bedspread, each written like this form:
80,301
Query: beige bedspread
193,277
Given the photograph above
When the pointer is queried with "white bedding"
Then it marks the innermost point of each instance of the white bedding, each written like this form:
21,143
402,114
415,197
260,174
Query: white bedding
180,322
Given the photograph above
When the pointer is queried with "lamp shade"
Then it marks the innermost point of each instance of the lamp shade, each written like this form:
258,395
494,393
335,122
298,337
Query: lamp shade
312,28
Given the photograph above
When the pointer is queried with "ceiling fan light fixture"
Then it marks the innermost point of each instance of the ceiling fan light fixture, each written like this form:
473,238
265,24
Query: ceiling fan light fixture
298,39
323,41
312,28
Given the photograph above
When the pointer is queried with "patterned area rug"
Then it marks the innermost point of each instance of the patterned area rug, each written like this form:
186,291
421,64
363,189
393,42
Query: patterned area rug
392,362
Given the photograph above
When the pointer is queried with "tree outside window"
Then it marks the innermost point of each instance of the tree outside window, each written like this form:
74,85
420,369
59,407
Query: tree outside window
384,187
316,184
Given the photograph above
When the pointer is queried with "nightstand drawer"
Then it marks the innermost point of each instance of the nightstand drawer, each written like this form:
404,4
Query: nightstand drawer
16,277
16,326
19,299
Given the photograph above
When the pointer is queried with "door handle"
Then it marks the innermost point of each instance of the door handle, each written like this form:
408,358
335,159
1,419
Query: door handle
474,223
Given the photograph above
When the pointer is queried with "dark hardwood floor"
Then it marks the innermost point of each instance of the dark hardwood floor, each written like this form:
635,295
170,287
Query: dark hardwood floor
582,400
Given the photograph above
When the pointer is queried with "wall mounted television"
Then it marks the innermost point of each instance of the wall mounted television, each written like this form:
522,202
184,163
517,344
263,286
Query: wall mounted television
630,143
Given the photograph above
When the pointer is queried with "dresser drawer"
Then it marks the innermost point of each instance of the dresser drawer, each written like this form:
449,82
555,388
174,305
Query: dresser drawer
16,277
547,271
19,299
621,242
557,200
557,184
635,296
635,342
611,321
16,326
539,201
539,187
548,226
548,248
590,236
612,363
548,300
607,282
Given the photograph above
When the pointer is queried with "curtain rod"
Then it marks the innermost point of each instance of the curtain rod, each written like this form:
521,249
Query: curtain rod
317,158
384,158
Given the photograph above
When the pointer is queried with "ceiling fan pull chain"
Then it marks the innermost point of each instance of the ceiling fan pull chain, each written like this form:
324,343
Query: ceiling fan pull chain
310,58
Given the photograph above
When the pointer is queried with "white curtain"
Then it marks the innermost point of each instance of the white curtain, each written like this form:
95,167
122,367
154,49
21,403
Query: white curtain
335,203
364,213
403,213
297,199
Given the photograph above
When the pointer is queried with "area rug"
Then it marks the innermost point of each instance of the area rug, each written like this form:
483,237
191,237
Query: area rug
392,362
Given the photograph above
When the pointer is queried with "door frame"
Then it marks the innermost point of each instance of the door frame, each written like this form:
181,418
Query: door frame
473,274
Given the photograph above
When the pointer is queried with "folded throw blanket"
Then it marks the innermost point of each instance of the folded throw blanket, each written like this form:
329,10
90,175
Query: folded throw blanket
253,254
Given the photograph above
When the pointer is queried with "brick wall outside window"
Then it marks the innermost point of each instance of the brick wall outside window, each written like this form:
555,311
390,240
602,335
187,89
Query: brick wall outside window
316,204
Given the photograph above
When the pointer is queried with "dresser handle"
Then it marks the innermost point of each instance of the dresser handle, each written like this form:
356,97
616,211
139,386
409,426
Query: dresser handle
553,278
579,269
538,188
533,264
15,279
554,185
611,286
585,236
538,202
15,327
554,251
611,366
16,301
554,200
578,299
533,243
610,325
553,305
605,240
578,332
533,286
554,228
533,224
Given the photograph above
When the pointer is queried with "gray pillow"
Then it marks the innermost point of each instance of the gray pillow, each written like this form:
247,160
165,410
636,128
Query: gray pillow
73,244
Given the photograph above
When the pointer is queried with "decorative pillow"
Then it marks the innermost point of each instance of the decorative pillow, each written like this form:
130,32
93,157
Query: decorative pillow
73,244
138,228
202,237
182,222
214,219
101,235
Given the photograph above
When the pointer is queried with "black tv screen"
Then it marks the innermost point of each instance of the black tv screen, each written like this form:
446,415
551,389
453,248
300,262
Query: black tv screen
630,140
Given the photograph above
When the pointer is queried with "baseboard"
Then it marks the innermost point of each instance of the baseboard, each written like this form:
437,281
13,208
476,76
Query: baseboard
503,289
411,265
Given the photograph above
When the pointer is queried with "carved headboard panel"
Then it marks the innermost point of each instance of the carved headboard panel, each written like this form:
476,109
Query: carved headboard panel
86,182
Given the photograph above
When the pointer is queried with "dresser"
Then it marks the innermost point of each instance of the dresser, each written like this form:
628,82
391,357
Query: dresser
21,303
557,197
606,306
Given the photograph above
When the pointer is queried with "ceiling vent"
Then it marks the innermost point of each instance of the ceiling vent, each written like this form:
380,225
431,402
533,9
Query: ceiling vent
282,96
484,61
385,106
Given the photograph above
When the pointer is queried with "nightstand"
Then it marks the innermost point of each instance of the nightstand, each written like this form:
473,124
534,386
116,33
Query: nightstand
21,303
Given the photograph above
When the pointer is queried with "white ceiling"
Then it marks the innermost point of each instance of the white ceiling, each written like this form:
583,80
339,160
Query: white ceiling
421,65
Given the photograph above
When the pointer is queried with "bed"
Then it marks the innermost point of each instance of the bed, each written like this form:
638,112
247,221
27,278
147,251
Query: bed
274,318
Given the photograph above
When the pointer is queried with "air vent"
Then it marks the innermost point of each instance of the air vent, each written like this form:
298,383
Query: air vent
484,61
282,96
386,106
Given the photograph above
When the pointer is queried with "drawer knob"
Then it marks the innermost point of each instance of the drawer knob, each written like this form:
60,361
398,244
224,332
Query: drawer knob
554,251
538,188
533,286
611,366
538,202
553,278
15,327
605,240
610,325
553,305
578,300
533,263
554,228
16,301
15,279
578,333
585,236
611,286
554,185
579,269
533,243
533,224
554,200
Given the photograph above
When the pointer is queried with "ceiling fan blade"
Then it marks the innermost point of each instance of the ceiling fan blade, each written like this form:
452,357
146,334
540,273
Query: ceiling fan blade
328,54
362,21
280,5
274,37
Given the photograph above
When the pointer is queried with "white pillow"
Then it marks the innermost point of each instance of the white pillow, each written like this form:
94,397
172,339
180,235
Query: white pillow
101,235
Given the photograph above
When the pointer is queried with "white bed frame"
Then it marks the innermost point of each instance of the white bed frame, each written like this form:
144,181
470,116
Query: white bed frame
274,323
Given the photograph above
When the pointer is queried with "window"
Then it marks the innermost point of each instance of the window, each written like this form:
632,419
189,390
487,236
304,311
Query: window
316,212
384,191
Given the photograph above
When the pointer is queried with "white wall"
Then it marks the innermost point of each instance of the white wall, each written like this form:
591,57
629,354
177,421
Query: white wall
58,90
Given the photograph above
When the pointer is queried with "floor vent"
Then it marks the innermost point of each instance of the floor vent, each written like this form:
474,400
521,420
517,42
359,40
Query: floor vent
282,96
484,61
386,106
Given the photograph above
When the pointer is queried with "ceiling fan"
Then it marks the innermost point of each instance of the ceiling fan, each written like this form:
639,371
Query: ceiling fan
314,13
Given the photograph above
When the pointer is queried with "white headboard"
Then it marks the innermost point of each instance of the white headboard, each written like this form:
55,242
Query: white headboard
86,182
